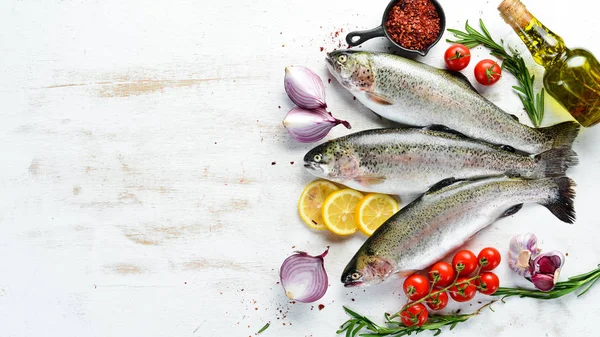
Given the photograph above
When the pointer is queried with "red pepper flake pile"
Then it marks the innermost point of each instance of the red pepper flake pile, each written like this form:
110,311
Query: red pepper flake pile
413,24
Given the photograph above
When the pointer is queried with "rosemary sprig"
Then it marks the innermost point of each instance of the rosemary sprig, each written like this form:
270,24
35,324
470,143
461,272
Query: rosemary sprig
513,63
358,323
434,323
586,281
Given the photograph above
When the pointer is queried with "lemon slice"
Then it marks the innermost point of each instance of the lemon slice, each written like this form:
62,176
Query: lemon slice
373,210
339,210
311,201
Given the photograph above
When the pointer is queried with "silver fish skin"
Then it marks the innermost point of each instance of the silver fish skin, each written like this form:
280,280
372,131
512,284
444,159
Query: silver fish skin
413,93
410,160
445,217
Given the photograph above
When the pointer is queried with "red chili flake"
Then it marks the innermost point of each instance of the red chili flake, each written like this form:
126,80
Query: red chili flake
566,254
321,307
291,163
278,107
321,48
282,45
329,80
413,24
273,163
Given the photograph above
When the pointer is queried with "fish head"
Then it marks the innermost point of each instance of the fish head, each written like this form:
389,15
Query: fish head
353,69
365,270
333,160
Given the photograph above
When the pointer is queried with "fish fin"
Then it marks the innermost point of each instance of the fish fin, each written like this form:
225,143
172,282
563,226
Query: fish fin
555,162
514,117
513,210
562,135
461,78
507,148
441,184
370,179
443,128
379,98
562,205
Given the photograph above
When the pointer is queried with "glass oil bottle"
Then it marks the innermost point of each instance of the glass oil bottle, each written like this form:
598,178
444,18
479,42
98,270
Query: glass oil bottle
572,76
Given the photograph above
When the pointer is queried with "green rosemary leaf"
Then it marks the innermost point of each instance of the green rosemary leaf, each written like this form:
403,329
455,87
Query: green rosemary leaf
265,327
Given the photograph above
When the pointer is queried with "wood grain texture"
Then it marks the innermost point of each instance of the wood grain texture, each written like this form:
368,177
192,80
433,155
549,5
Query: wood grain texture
149,188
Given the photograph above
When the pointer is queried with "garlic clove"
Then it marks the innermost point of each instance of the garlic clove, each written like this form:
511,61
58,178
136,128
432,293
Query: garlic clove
545,269
521,249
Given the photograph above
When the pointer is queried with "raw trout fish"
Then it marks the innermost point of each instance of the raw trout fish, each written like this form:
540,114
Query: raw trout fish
413,93
410,160
445,217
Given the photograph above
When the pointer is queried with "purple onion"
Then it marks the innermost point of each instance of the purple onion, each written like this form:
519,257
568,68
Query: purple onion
309,126
522,248
303,277
545,270
304,87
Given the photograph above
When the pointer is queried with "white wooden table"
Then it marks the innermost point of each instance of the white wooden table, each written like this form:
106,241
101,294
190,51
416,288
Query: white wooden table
148,187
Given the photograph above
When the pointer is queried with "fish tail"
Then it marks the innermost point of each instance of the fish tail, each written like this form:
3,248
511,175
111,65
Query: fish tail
555,162
562,204
561,135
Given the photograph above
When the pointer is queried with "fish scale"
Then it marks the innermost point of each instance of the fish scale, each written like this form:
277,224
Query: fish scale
413,93
445,217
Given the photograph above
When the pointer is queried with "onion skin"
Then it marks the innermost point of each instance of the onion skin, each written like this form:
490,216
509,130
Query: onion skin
304,87
307,126
303,277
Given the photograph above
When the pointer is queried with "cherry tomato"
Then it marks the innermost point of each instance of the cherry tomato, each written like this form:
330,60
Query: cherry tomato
457,57
416,287
443,272
487,283
464,262
437,302
489,258
415,314
463,292
487,72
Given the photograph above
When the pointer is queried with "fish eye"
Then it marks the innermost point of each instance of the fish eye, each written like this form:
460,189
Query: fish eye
317,157
342,58
355,275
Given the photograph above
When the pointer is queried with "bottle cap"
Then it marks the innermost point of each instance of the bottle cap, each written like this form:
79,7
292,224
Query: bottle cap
515,13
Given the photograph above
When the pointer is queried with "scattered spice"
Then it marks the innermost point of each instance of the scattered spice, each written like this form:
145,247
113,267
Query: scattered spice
273,163
278,107
413,24
291,163
321,307
321,48
329,80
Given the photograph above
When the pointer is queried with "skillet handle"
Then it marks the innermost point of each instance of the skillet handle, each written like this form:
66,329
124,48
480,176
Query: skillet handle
355,38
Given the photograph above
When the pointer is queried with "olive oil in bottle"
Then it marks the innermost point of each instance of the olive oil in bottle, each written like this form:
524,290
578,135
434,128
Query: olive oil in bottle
572,76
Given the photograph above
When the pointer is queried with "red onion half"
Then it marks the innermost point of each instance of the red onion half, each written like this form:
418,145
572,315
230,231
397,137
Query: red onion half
309,126
303,277
304,87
